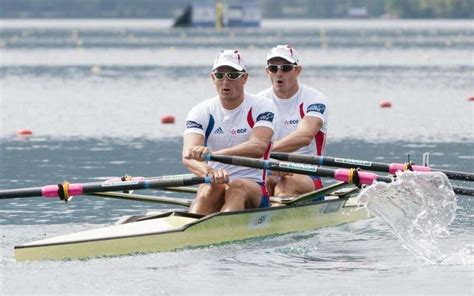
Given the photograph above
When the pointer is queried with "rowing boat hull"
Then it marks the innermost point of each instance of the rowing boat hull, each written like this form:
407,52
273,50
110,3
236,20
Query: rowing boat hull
176,230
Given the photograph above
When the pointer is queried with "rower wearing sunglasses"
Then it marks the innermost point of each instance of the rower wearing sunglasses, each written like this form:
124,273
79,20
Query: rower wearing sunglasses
232,123
302,122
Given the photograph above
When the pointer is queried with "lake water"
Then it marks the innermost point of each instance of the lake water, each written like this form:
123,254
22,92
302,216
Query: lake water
93,93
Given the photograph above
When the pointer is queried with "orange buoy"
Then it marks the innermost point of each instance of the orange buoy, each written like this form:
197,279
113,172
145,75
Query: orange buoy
471,99
167,119
24,132
385,104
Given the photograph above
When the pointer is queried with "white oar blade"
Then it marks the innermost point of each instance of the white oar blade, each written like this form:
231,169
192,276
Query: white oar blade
418,208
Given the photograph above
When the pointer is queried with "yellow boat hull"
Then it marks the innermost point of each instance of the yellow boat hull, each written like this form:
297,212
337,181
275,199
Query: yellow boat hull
177,230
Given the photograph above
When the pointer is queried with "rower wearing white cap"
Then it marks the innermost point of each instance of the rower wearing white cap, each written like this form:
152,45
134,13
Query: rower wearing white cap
302,123
232,123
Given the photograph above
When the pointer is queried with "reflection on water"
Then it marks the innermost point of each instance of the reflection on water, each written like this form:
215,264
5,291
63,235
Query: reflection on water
115,79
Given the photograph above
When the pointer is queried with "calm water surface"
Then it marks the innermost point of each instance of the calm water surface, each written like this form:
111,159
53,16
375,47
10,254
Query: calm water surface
93,92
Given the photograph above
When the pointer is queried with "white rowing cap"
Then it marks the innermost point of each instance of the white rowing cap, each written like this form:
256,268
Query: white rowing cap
231,58
285,52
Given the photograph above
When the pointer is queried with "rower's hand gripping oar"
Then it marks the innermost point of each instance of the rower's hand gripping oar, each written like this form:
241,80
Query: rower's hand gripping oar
391,168
350,176
65,190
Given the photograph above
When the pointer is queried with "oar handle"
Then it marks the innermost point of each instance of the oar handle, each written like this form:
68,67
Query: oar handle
348,176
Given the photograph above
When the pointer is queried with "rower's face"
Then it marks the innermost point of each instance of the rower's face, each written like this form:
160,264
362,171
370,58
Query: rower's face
283,82
228,88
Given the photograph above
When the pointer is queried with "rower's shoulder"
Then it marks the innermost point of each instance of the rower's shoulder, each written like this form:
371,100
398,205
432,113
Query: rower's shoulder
312,93
262,102
208,104
258,99
266,93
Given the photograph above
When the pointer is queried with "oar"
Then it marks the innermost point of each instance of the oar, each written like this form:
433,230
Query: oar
286,200
181,189
350,176
368,165
145,198
463,190
310,196
65,189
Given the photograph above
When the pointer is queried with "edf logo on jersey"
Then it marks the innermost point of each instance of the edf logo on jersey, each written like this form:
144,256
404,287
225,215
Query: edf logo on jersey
291,122
238,131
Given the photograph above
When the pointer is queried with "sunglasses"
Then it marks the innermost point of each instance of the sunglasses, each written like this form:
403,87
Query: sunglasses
285,68
229,75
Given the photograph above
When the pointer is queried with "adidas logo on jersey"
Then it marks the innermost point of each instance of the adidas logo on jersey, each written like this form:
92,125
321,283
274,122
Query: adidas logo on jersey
219,131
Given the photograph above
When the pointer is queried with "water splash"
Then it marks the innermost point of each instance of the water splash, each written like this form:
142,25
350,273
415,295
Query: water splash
418,208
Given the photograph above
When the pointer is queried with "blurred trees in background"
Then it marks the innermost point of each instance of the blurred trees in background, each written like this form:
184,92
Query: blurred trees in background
270,8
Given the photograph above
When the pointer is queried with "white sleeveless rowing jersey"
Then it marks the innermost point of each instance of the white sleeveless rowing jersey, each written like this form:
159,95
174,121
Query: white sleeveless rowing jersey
224,128
306,102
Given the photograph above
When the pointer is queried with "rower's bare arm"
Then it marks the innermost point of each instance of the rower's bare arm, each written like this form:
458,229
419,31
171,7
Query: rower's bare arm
255,147
302,136
192,145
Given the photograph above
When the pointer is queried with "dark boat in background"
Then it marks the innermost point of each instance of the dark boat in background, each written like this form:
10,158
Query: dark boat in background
205,14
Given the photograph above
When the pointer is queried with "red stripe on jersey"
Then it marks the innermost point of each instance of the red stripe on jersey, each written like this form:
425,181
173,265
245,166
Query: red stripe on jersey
320,140
266,156
250,119
301,111
318,184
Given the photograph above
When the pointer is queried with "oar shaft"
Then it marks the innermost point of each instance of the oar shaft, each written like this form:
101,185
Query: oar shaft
51,191
25,192
330,161
144,198
367,165
298,168
455,175
463,190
